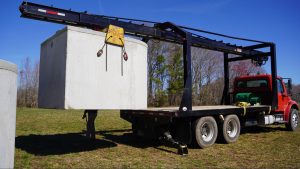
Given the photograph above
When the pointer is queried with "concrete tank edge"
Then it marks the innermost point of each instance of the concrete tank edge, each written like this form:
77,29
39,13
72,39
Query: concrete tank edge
89,31
57,33
8,66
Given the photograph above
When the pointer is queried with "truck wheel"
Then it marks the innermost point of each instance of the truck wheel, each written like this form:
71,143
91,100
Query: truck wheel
293,120
206,131
231,128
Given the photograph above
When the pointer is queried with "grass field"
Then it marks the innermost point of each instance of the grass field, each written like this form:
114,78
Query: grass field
54,139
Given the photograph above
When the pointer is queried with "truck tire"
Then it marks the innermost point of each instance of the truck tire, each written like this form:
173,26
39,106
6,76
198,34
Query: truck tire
293,123
206,131
231,129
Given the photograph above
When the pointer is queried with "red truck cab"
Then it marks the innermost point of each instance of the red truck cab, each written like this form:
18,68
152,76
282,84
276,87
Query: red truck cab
260,86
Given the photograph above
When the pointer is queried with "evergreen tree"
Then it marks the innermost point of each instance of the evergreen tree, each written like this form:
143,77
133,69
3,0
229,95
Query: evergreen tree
158,79
175,79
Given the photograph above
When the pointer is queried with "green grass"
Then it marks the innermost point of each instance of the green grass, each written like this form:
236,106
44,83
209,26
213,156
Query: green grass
54,139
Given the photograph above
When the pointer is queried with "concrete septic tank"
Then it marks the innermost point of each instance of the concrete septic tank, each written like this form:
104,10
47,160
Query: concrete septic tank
73,77
8,102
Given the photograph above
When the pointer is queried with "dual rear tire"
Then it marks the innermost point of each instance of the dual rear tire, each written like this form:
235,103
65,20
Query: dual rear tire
231,129
206,130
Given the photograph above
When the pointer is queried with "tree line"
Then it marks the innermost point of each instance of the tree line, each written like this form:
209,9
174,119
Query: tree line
296,93
165,76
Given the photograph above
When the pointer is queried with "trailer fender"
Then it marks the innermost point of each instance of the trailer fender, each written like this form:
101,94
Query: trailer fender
291,105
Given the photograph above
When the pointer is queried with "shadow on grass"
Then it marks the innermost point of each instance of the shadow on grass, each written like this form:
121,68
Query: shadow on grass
57,144
126,137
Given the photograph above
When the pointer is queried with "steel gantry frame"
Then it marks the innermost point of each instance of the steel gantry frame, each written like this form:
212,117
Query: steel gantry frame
168,32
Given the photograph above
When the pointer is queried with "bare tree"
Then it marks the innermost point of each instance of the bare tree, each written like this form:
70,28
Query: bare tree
207,68
207,74
296,93
244,68
28,84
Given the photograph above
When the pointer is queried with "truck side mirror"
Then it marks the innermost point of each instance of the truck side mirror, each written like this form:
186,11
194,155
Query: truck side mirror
289,90
290,83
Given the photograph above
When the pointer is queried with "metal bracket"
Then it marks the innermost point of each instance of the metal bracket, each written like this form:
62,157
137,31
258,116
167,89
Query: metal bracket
186,38
181,148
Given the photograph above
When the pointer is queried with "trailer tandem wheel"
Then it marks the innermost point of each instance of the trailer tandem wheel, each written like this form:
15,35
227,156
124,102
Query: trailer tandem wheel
206,131
230,129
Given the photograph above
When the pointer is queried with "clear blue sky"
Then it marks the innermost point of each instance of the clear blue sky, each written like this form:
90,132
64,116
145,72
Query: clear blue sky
268,20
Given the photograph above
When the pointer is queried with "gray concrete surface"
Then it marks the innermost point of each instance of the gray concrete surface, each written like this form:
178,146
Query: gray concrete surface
8,101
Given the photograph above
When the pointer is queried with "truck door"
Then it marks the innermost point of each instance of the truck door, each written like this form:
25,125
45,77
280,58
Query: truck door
283,97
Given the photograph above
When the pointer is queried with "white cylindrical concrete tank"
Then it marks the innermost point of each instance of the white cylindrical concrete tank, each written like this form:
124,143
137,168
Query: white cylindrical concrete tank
8,101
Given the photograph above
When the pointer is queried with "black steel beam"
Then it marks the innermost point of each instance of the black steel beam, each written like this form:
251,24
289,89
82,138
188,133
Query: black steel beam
258,46
274,77
248,57
226,96
161,31
186,101
97,22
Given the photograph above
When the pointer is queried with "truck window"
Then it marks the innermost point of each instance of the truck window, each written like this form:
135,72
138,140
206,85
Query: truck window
279,86
252,83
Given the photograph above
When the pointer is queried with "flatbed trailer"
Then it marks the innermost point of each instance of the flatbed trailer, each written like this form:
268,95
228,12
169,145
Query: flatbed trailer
187,123
198,111
172,125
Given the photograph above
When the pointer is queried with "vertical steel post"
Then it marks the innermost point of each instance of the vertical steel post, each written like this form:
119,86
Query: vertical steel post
274,76
186,101
226,97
